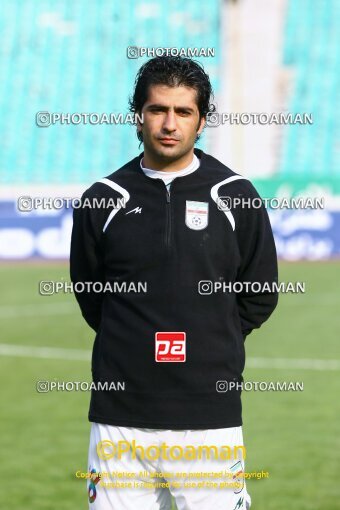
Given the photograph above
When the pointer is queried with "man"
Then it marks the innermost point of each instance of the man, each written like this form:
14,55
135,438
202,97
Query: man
178,344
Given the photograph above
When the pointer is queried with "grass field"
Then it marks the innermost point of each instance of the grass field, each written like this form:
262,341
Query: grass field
292,435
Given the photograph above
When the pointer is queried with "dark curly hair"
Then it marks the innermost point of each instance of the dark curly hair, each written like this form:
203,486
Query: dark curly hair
173,72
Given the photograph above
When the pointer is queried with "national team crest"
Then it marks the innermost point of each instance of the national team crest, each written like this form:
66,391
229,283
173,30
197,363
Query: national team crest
196,214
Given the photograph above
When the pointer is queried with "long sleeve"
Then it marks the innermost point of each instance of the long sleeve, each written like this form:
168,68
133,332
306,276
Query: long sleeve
87,262
258,264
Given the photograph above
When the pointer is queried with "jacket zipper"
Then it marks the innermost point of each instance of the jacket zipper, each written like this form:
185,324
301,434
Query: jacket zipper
168,219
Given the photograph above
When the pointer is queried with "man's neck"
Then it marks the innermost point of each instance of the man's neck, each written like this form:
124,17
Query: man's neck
168,166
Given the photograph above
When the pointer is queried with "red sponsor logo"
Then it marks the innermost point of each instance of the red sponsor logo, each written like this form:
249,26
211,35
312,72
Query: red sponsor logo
170,346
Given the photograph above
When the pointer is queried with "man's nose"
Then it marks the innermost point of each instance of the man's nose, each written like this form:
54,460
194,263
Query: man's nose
169,123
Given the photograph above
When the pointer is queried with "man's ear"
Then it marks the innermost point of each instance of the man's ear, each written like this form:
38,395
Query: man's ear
201,126
139,123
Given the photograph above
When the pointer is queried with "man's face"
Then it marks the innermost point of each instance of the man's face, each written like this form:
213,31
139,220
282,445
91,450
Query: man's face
171,122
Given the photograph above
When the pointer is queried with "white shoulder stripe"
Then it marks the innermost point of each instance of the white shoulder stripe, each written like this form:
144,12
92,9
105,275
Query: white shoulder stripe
122,191
116,187
214,196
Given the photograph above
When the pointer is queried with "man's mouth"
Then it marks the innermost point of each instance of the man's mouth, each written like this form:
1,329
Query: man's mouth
168,141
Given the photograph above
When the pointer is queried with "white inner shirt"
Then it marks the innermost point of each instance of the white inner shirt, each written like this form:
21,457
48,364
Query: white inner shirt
168,177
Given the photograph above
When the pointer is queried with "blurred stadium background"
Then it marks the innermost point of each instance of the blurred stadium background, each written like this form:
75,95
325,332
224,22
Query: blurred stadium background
270,56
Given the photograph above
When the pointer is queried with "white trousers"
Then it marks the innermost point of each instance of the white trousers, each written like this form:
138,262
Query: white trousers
103,493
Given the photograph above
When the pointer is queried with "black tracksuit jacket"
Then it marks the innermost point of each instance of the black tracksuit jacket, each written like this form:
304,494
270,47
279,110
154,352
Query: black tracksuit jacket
160,243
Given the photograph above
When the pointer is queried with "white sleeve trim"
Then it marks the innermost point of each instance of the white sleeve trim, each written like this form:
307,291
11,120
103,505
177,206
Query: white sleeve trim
215,197
122,191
